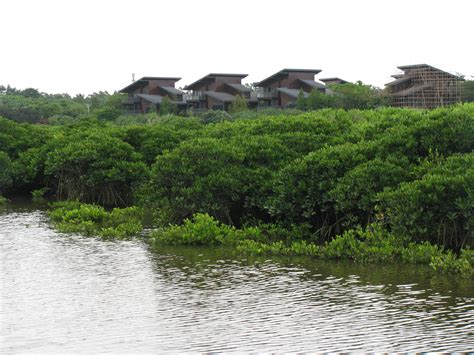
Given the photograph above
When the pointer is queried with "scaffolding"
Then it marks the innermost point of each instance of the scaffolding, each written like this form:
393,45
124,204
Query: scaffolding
423,86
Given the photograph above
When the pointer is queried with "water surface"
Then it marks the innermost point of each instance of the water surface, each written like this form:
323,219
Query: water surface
68,293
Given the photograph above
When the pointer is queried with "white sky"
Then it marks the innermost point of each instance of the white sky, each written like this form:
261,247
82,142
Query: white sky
83,46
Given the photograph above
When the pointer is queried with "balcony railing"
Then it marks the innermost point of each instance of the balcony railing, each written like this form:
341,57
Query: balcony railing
266,94
194,97
131,100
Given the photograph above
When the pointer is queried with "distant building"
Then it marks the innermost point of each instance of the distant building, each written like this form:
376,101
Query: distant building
216,91
424,86
282,88
329,81
147,93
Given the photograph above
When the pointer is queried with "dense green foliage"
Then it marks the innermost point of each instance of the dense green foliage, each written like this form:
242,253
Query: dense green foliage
326,172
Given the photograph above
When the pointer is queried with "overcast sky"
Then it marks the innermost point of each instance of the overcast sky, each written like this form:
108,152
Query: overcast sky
83,46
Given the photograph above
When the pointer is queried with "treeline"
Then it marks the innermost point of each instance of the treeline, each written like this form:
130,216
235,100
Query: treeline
30,105
324,173
347,96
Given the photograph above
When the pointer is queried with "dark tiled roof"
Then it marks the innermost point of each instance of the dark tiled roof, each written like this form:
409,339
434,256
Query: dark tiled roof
171,90
285,72
220,96
424,66
239,87
292,92
154,99
399,80
313,84
144,81
412,90
334,80
148,78
212,76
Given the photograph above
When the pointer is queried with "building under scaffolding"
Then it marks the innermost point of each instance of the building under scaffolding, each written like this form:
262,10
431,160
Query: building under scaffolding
424,86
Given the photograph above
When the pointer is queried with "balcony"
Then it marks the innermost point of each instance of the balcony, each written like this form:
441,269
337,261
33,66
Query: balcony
131,100
266,94
198,96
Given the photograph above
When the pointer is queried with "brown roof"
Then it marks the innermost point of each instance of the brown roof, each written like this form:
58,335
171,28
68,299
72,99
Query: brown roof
144,81
154,99
313,84
211,77
220,96
412,90
285,72
171,90
292,92
399,80
239,87
424,66
334,79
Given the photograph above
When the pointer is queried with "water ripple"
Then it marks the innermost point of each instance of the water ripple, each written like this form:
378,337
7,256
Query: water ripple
67,293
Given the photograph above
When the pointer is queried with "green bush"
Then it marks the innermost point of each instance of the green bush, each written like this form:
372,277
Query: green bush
355,194
448,262
5,172
199,176
302,188
238,105
373,244
202,229
438,208
73,216
94,167
421,253
212,116
39,193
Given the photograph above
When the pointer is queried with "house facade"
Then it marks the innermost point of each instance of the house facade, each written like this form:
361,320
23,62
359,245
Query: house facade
146,94
423,86
216,91
282,88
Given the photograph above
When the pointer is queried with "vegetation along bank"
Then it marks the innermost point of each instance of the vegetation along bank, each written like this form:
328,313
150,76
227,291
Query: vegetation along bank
369,185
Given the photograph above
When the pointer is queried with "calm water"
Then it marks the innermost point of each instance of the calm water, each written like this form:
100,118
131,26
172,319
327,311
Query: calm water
67,293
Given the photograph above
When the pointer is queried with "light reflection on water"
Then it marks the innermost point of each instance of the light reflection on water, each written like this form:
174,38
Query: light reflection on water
68,293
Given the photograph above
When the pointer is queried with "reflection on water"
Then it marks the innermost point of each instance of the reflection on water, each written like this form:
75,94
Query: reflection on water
74,294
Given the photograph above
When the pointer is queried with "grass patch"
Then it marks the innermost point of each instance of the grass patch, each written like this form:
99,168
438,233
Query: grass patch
94,220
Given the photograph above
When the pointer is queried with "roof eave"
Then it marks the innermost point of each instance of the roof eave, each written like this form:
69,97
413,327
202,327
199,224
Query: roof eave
285,72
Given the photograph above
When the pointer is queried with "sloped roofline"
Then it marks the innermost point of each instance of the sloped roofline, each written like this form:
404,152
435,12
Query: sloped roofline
286,71
144,80
424,65
213,76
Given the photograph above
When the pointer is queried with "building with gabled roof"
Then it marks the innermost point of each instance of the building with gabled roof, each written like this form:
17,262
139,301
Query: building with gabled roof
282,88
148,92
217,91
423,86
